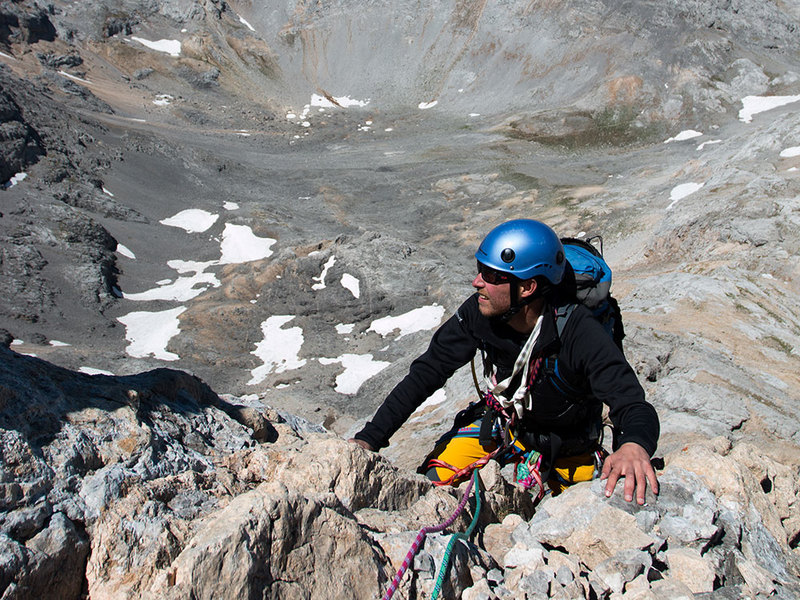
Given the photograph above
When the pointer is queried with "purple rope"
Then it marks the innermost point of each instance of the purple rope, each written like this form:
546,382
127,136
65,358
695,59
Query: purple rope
421,537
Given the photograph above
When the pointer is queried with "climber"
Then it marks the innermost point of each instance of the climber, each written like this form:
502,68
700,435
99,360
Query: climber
546,379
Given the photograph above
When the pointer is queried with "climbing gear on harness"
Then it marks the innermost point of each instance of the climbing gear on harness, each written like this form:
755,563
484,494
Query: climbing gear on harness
458,536
527,472
415,546
460,451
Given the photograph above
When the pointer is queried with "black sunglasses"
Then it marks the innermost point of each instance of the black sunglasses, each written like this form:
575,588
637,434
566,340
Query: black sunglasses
493,276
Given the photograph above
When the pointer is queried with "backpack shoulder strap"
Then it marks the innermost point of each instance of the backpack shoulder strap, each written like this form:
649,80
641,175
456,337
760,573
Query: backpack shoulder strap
563,314
562,377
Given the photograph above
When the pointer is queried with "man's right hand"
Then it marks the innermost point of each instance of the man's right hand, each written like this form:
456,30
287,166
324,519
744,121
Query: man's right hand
362,443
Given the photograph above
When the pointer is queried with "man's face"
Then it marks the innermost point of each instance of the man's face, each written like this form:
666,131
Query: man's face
494,299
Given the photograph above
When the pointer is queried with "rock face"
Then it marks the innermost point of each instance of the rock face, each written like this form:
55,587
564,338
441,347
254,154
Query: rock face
20,144
144,487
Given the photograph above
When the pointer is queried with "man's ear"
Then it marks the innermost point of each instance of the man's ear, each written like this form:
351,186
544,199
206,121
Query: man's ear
527,288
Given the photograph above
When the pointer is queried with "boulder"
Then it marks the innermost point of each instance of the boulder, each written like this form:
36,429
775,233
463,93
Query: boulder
277,543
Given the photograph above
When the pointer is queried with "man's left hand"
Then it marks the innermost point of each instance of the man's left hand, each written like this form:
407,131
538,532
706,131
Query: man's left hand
632,462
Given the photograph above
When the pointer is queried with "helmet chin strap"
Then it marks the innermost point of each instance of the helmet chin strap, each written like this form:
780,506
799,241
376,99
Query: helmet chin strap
517,303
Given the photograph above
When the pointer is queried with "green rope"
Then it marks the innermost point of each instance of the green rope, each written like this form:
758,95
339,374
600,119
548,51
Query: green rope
458,536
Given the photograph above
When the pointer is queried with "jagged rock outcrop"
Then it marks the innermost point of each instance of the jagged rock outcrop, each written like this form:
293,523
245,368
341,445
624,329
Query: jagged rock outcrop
23,23
144,487
20,144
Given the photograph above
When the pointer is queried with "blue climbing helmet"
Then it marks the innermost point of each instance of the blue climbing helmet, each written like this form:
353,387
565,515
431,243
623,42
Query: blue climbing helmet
524,248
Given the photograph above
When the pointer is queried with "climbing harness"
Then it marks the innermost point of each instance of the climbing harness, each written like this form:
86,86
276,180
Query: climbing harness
528,463
435,529
459,473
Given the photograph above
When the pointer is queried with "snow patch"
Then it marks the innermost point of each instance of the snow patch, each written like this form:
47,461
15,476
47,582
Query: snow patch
358,368
320,285
752,105
193,220
344,329
279,350
183,288
74,77
171,47
163,100
338,101
437,397
92,371
681,191
15,180
125,251
688,134
708,143
419,319
150,332
245,23
352,284
240,244
790,152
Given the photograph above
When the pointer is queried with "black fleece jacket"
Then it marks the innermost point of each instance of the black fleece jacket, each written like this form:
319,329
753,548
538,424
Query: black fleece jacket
584,356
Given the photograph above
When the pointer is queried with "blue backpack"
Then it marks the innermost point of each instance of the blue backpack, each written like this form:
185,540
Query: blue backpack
593,286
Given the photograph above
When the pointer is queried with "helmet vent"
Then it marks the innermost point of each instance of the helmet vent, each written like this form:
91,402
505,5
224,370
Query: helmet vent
508,255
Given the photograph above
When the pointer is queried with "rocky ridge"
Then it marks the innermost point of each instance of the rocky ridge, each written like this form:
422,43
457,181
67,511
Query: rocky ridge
152,486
